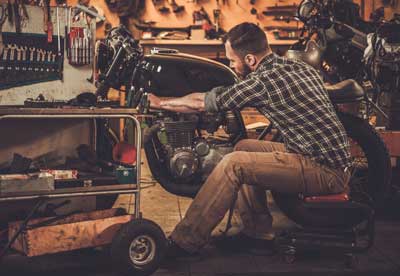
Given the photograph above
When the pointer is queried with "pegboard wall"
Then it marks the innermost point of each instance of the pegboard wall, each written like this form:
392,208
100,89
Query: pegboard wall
74,78
233,12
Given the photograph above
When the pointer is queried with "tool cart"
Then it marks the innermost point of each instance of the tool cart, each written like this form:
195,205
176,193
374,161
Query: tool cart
137,245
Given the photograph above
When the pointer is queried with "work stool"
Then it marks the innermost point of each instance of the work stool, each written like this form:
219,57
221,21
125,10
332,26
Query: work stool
339,225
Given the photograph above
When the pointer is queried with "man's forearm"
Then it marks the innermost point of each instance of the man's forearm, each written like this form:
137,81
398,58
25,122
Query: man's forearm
192,103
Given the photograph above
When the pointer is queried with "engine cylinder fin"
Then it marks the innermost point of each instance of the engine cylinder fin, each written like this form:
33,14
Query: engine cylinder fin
180,134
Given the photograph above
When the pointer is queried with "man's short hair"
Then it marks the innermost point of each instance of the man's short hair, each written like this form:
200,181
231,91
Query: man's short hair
247,38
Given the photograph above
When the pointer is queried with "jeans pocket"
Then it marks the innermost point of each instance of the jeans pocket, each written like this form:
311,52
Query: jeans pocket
321,182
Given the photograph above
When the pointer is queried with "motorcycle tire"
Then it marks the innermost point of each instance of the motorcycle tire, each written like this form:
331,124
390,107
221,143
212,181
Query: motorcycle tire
377,176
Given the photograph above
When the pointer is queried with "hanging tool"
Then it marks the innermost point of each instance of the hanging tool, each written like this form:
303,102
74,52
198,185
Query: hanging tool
10,13
3,17
48,23
17,17
160,6
86,45
90,12
68,33
59,55
217,15
175,7
80,46
23,13
66,36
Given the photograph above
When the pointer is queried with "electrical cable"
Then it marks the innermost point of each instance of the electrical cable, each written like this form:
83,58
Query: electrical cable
179,207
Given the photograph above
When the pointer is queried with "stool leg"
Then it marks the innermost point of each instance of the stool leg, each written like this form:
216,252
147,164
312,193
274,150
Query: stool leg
289,255
351,261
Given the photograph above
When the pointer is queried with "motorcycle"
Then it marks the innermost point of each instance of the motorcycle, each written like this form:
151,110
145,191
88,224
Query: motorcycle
183,149
351,48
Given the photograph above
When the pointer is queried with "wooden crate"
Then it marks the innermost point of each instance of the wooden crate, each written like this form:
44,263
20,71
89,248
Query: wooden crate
74,232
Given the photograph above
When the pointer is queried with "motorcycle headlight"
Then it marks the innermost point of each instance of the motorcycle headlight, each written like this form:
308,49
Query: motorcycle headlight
306,9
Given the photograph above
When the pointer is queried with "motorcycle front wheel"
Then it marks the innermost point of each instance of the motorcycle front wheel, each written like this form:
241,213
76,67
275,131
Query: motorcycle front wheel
370,174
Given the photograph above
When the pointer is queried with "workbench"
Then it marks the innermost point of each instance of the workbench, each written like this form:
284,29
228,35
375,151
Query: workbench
213,49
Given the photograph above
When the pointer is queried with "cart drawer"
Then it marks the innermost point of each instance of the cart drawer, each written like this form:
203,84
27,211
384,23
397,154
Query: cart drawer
74,232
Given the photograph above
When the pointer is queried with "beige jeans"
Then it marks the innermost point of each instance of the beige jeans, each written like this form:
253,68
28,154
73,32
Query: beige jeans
245,174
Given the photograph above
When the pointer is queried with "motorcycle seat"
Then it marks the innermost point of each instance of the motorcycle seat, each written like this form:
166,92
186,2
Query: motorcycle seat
327,198
345,91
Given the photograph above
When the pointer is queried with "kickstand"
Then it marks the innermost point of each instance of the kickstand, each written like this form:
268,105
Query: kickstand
21,228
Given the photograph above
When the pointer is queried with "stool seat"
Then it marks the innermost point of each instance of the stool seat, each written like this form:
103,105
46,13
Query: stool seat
327,198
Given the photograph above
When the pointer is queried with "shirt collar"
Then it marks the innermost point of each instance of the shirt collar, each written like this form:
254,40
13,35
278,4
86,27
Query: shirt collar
266,62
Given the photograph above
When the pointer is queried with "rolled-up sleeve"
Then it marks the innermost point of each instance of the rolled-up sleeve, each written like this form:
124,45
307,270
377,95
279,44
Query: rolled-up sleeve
210,104
247,93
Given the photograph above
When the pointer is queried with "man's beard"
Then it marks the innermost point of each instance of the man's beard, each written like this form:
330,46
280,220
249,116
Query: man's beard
246,70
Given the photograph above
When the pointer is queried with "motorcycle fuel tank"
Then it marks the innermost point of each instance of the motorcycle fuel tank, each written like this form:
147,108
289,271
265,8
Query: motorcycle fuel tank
175,74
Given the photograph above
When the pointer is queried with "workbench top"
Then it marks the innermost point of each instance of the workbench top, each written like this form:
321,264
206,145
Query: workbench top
210,42
208,48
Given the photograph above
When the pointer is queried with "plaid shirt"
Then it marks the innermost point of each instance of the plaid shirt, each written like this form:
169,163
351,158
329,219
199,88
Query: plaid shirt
292,96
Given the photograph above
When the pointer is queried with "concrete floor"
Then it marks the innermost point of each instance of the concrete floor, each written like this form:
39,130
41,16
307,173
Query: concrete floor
166,210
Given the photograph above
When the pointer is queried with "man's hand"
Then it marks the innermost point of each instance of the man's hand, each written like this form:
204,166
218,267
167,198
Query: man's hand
155,102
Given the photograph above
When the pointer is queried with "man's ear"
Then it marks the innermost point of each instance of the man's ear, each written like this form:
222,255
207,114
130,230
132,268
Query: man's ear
250,60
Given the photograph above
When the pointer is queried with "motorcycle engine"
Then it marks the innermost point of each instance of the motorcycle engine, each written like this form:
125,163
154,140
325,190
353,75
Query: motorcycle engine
189,154
183,162
383,53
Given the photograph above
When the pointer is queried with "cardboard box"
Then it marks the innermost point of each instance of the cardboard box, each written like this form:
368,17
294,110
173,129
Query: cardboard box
33,182
74,232
62,174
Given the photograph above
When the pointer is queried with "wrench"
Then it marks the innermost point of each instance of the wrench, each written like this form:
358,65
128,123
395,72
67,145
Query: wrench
19,52
49,55
38,54
43,55
12,48
5,52
24,50
31,52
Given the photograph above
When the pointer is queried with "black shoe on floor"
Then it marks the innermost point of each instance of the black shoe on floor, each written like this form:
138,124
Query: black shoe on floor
174,251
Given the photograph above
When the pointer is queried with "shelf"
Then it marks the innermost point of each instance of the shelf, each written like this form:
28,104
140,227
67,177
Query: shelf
69,192
68,112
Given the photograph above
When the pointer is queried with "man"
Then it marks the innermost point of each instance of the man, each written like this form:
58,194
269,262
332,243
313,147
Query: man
311,161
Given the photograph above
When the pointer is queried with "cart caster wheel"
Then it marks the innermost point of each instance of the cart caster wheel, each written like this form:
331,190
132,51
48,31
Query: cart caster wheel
138,248
351,261
289,258
288,254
